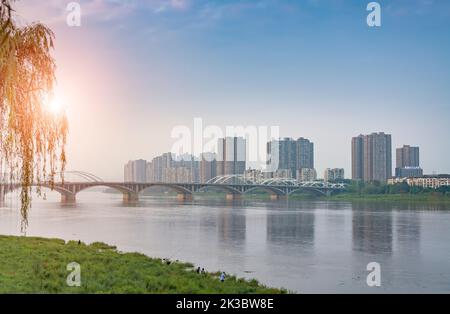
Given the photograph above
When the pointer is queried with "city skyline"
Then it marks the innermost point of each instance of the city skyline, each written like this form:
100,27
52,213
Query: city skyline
371,158
179,60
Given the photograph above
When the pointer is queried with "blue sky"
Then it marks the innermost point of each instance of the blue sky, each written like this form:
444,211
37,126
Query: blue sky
136,69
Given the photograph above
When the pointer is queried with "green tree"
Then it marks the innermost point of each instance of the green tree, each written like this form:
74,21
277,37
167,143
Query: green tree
32,138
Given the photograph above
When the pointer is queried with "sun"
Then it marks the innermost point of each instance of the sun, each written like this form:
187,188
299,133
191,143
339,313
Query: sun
54,105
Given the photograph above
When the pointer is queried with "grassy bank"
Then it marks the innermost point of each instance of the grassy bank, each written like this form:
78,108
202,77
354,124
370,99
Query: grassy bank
36,265
425,198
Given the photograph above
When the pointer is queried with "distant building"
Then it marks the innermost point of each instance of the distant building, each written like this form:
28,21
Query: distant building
254,175
231,156
358,158
136,171
306,175
168,168
407,172
283,174
426,181
372,157
408,162
208,167
333,174
290,154
177,175
155,169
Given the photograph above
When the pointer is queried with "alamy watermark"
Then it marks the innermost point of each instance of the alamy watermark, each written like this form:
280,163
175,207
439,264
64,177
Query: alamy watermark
73,18
74,278
374,277
251,144
374,17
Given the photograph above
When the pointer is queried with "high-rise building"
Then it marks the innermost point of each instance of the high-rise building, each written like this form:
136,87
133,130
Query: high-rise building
408,163
156,168
231,156
407,156
208,167
290,154
335,174
358,158
372,157
305,154
136,171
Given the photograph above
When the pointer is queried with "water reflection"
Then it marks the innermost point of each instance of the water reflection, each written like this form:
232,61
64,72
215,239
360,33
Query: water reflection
231,228
372,228
291,228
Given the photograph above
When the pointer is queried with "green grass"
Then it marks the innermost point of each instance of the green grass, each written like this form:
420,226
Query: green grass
36,265
430,198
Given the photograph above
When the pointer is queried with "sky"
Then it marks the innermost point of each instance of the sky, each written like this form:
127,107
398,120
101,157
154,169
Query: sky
136,69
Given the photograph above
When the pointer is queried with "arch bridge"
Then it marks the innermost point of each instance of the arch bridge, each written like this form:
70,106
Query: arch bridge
234,186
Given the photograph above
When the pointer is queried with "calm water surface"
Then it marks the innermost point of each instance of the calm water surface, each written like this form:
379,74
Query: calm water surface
303,246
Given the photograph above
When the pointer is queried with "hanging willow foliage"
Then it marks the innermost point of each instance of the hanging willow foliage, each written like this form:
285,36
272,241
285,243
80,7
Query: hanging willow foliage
32,138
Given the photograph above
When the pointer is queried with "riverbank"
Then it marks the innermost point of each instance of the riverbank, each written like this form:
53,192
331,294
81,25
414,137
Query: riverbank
37,265
421,198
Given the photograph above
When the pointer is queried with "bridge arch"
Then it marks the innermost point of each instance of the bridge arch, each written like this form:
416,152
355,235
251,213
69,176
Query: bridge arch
13,187
271,190
221,187
175,187
117,187
315,191
65,193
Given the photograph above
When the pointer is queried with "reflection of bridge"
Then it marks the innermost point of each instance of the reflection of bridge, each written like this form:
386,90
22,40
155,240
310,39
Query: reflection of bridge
233,186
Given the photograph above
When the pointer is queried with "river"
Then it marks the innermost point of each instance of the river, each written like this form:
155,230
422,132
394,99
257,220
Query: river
303,246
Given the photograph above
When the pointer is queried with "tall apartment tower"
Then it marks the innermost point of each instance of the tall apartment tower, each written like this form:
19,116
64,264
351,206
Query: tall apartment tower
407,156
372,157
208,167
136,171
358,157
290,154
408,162
231,156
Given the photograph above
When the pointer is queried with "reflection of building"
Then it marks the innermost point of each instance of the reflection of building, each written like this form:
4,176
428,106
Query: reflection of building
426,181
231,227
290,154
372,229
335,174
291,228
231,156
407,235
372,157
408,162
136,171
306,175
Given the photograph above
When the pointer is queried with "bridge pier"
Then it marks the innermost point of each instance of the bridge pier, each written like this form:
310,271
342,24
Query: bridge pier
276,197
233,197
130,197
67,198
184,197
